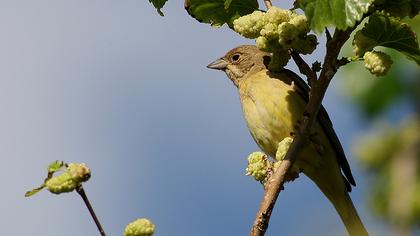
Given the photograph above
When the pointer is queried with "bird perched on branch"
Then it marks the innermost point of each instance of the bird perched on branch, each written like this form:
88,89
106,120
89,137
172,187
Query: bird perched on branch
272,104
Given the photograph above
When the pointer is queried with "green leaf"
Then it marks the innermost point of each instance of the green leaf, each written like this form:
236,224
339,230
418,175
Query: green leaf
34,191
219,12
55,166
316,66
158,5
392,33
339,13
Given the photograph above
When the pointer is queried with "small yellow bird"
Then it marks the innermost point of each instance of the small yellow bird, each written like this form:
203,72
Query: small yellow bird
272,104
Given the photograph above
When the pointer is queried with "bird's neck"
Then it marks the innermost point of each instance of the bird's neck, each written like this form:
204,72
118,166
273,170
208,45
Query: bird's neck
245,85
239,77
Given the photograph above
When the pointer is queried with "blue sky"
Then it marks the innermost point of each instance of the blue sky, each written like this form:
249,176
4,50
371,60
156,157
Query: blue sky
114,85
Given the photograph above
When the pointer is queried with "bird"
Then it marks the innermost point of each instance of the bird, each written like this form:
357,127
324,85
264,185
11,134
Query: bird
273,103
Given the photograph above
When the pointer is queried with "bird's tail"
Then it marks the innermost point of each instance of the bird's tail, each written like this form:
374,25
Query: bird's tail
326,174
348,214
332,184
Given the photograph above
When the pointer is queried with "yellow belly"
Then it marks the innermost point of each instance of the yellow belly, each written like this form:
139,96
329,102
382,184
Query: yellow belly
271,109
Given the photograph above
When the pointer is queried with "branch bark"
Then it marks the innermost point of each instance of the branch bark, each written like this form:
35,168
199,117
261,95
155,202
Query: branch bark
82,194
318,90
304,68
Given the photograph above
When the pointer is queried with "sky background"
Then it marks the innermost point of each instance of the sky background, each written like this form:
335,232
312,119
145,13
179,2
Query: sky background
115,85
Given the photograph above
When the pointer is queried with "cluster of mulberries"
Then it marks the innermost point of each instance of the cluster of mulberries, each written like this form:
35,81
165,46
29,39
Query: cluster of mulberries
400,9
377,63
258,166
140,227
283,147
69,180
277,31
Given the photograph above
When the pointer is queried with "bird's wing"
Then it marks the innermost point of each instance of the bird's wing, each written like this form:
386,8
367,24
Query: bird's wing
327,126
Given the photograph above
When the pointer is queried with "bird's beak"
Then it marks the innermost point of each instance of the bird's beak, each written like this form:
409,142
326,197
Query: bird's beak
219,64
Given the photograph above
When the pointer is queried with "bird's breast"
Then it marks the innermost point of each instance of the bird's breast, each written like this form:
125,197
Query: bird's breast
271,109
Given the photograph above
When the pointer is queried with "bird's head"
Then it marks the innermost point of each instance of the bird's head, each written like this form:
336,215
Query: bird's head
241,62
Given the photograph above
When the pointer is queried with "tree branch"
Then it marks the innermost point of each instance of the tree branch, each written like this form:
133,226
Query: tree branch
82,194
275,183
304,68
343,61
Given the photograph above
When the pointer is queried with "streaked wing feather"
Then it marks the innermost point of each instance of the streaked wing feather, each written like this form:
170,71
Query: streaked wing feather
327,125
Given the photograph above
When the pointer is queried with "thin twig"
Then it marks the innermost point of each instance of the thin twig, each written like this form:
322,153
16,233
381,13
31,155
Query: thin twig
268,4
319,88
82,193
343,61
304,67
328,34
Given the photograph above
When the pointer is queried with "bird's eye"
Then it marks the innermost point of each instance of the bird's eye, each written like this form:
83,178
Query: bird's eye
235,57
